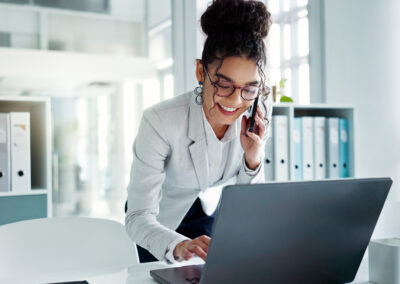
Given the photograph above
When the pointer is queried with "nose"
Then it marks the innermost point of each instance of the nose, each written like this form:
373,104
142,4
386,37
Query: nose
236,98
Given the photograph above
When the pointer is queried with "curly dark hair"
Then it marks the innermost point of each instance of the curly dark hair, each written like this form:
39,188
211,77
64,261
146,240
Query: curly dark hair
236,28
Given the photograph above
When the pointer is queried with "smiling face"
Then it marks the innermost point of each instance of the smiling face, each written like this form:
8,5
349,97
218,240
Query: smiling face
223,111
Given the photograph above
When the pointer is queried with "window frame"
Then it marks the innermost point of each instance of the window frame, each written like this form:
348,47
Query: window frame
290,18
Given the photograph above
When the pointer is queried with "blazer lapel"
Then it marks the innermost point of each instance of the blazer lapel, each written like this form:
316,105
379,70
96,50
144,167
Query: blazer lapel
200,161
198,149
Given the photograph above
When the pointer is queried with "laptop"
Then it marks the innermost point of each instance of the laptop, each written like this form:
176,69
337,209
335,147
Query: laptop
288,232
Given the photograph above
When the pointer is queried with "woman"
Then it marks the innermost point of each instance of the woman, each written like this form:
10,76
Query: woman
188,146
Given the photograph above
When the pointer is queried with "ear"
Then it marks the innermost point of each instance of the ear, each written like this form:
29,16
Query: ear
199,71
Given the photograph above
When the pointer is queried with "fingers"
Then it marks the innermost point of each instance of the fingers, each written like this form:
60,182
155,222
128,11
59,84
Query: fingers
259,130
187,254
198,246
261,126
198,250
243,128
260,115
205,239
203,242
254,137
259,111
260,122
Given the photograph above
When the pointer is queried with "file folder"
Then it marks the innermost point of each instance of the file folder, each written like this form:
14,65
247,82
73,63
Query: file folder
343,148
269,156
307,147
5,177
280,144
332,140
20,152
319,147
297,148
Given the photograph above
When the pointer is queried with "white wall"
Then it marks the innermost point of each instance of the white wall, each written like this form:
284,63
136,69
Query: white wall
160,10
130,10
363,69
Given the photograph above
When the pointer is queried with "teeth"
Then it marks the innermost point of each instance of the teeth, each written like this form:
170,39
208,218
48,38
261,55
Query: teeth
228,108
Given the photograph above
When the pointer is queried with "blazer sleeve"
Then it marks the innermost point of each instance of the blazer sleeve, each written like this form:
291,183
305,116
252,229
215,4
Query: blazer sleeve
150,152
247,176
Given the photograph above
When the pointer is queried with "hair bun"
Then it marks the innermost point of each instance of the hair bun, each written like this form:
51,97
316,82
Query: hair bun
236,15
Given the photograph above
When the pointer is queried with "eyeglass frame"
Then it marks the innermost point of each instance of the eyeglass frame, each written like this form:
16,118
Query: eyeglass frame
215,84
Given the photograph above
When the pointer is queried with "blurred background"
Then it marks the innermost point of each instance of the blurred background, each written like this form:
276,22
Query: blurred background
103,62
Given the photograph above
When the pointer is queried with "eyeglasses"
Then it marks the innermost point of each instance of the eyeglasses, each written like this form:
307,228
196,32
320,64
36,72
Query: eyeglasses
226,89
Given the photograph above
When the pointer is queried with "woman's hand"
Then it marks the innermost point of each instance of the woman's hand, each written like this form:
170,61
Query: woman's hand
252,143
187,249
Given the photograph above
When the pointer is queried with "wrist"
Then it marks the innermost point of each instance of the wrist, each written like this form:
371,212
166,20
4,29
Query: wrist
177,255
252,164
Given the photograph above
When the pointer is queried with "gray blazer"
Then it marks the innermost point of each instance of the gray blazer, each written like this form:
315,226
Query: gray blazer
170,169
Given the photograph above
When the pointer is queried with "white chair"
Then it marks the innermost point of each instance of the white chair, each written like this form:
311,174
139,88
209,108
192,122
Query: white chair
63,249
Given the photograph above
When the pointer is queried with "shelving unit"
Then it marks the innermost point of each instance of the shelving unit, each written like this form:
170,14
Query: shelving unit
33,192
293,110
33,26
37,203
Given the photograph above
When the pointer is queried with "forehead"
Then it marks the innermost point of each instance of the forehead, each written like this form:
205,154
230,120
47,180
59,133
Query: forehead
240,69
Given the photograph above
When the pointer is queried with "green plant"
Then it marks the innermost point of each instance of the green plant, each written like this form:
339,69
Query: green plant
284,98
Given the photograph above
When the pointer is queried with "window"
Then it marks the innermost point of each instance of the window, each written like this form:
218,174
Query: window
288,47
159,32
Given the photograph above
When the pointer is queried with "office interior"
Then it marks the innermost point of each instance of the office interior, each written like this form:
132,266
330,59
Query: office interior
101,63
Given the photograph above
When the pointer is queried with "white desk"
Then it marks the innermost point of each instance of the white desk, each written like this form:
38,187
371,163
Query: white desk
140,274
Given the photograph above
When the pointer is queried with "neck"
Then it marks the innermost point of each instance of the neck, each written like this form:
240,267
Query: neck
219,130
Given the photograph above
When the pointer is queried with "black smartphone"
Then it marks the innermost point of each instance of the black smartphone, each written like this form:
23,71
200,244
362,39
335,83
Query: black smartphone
253,115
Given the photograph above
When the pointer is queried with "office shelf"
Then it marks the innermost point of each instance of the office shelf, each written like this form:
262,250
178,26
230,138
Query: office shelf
293,110
32,192
36,203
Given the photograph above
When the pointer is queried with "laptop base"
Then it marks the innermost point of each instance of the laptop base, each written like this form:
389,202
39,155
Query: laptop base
178,275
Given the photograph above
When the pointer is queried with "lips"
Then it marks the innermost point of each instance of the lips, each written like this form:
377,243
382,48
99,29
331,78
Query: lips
227,110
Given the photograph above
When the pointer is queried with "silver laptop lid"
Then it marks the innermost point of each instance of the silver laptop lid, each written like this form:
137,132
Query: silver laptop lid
294,232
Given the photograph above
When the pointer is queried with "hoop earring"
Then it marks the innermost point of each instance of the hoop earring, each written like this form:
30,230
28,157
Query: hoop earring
198,91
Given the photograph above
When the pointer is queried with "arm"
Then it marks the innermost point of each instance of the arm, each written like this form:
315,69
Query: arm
252,166
150,152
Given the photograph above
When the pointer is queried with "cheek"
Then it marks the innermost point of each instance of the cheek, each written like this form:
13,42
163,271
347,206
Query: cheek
244,109
208,95
246,106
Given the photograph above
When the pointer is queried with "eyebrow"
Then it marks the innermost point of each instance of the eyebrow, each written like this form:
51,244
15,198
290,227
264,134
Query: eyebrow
230,80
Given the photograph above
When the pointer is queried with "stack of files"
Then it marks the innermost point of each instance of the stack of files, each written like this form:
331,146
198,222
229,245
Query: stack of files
307,147
298,149
15,152
319,147
5,165
280,147
269,156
